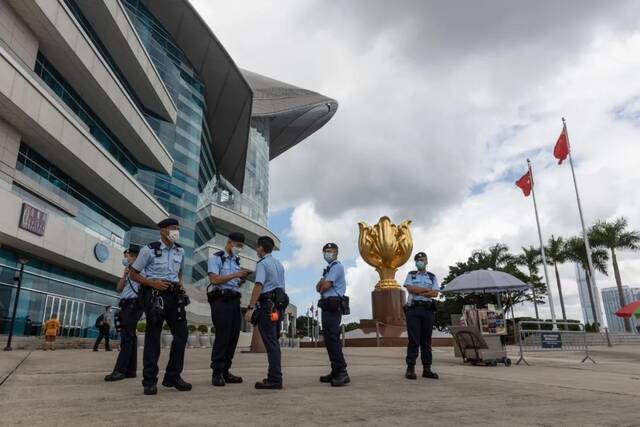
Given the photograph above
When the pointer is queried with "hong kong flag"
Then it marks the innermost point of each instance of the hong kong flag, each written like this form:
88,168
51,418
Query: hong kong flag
561,150
525,183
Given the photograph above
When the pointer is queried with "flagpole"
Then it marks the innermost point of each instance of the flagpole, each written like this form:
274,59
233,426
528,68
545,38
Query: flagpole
594,288
542,252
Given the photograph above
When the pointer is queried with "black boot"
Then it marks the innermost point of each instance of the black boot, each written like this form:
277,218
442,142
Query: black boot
179,384
115,376
340,379
231,379
267,385
411,373
427,373
217,379
327,378
150,390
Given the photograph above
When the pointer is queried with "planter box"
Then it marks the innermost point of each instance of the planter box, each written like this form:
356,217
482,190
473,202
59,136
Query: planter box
204,341
193,341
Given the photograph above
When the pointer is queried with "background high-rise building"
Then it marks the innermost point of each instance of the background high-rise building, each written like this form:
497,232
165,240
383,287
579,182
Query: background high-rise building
611,304
114,115
583,293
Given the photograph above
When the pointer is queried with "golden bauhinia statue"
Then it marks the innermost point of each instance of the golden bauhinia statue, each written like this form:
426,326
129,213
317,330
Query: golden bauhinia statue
385,246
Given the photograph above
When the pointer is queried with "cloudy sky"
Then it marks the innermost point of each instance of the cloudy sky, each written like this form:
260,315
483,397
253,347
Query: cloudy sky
440,105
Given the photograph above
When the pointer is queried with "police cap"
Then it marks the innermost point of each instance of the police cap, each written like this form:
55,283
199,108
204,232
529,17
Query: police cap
168,223
330,246
236,237
133,249
419,255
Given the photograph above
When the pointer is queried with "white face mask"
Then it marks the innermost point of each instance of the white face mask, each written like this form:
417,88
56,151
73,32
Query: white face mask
174,235
235,250
125,262
329,256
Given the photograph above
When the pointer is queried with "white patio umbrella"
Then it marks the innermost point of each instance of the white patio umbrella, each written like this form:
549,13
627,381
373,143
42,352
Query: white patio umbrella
485,281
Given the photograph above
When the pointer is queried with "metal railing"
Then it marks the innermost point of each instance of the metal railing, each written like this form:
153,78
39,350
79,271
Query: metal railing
546,336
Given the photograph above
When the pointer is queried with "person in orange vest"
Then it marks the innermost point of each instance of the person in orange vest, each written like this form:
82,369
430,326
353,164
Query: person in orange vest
50,330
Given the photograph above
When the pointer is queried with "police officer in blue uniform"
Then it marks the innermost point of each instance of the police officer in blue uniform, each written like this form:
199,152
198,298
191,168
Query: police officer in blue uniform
127,320
269,294
422,286
332,288
225,277
158,269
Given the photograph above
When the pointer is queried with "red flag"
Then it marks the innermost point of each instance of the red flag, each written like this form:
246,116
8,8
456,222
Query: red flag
561,150
525,184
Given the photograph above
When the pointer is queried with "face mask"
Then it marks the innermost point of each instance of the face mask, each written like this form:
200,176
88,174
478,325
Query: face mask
174,235
329,256
125,262
420,265
235,250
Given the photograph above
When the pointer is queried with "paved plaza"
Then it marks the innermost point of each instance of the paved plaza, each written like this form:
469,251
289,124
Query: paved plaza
65,387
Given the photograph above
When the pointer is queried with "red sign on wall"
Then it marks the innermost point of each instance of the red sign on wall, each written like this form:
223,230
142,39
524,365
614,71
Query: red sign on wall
33,220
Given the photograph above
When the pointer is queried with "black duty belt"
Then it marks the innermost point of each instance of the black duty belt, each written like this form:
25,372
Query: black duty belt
224,294
427,304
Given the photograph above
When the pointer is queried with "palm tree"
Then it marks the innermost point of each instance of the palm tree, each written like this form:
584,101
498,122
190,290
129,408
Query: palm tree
614,235
577,252
555,253
531,258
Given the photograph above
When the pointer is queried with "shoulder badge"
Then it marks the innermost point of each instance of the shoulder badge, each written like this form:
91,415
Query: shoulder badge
155,247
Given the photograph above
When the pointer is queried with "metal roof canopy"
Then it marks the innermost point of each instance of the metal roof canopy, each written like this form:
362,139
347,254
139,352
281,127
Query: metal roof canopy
227,94
295,113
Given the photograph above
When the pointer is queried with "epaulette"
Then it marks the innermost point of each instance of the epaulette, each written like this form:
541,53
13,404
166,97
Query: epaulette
413,273
155,246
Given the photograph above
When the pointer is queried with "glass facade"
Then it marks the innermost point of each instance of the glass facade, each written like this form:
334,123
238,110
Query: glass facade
253,202
74,102
92,212
179,192
46,288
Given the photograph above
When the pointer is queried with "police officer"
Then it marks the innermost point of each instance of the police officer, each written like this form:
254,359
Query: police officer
332,288
422,286
130,313
225,277
159,270
268,293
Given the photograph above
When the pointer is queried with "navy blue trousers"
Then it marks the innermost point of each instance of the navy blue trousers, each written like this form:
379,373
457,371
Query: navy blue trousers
270,332
419,328
331,321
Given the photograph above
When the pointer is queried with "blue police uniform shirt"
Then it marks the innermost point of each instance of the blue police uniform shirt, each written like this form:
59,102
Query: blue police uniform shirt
269,272
420,279
222,265
167,266
131,289
335,273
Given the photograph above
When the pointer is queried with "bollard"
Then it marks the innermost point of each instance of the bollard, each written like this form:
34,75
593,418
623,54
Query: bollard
606,333
377,334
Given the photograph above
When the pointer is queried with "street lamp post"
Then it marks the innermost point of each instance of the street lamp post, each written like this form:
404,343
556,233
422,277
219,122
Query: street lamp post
18,280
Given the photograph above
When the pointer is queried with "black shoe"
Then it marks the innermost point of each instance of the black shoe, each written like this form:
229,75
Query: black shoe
427,373
267,385
411,373
341,379
179,384
217,379
107,349
150,390
115,376
231,379
95,349
327,378
131,375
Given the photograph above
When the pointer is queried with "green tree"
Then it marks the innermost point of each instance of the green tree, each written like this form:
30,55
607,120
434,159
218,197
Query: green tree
303,323
531,258
614,236
556,254
577,252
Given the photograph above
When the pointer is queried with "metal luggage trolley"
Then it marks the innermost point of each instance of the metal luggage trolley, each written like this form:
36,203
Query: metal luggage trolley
476,348
478,342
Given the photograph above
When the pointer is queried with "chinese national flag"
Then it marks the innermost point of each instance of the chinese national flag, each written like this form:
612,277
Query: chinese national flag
561,150
525,184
